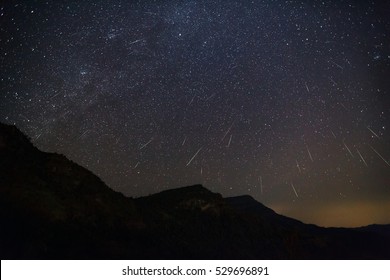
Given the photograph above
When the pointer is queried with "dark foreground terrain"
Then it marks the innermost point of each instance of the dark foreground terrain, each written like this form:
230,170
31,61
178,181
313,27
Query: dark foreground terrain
52,208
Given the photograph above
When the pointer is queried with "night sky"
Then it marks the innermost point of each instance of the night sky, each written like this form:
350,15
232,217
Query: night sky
288,101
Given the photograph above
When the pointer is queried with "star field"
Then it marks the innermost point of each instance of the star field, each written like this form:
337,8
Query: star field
287,101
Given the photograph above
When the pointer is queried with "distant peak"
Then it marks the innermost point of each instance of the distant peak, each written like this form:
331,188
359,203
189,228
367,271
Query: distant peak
197,187
188,190
243,197
182,194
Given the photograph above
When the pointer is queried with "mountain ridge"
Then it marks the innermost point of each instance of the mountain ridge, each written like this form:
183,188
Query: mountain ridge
52,208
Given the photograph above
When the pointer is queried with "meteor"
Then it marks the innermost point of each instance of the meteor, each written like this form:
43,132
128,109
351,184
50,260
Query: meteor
194,156
296,194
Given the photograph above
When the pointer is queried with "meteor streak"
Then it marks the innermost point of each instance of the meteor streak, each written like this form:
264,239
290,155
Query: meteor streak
194,156
376,135
296,194
230,140
380,155
345,145
226,133
361,157
311,158
147,143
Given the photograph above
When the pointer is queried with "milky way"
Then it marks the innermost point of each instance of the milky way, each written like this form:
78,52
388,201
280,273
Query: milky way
287,101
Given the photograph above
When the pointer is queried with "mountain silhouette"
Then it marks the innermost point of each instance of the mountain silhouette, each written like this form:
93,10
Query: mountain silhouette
52,208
